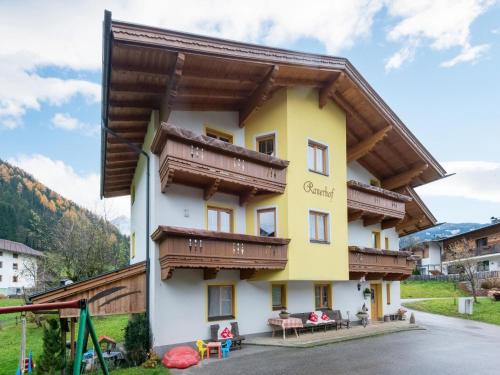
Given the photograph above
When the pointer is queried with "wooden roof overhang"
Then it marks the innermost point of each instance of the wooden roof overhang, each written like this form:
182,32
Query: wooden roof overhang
146,68
117,292
418,216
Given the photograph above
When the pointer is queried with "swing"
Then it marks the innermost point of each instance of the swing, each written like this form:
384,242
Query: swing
25,364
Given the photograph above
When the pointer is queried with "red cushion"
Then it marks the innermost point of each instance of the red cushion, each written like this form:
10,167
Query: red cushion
181,357
226,333
325,316
313,317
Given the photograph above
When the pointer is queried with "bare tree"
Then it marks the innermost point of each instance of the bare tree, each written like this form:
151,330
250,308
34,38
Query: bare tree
461,256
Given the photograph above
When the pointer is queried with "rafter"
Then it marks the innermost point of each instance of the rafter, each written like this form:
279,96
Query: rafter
371,220
326,91
354,215
173,83
259,96
404,178
365,146
211,189
409,222
389,223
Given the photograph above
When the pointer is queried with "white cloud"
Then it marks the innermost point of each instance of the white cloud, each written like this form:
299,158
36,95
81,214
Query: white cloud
405,54
83,189
468,54
442,24
473,180
67,122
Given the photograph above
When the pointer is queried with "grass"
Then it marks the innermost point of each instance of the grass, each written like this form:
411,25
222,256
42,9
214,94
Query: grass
430,289
486,310
10,335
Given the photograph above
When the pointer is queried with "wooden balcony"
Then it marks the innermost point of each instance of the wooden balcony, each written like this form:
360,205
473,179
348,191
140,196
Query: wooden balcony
376,264
375,205
213,251
196,160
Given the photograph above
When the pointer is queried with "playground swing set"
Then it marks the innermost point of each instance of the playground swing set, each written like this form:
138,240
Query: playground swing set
85,328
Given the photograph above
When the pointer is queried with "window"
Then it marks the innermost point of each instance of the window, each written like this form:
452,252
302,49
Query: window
220,219
388,293
318,227
266,221
426,253
481,242
322,296
266,144
132,246
15,256
317,158
278,292
219,135
14,279
386,243
483,266
14,266
376,240
220,302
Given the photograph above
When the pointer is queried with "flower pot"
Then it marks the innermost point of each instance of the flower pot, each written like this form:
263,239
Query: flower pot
284,315
367,295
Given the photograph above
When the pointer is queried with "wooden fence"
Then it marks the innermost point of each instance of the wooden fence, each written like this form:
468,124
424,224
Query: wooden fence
454,277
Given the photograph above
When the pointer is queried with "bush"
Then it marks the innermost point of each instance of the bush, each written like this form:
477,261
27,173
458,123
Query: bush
3,296
137,339
491,283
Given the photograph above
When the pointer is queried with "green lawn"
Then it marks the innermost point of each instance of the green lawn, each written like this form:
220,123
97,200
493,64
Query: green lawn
112,326
430,289
486,310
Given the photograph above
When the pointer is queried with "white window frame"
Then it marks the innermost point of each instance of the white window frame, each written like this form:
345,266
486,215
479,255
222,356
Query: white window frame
256,218
264,134
327,150
329,226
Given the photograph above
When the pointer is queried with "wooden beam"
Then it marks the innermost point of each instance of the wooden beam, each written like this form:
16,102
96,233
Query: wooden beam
172,86
389,223
354,215
145,104
122,156
120,172
136,88
210,273
211,189
259,95
404,178
365,146
326,91
119,164
409,222
247,273
339,99
372,220
166,273
129,118
245,197
375,275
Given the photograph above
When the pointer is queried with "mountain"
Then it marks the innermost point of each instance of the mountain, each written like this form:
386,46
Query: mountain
39,217
439,231
123,224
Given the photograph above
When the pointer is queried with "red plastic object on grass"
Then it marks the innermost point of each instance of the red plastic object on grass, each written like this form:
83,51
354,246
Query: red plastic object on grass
181,357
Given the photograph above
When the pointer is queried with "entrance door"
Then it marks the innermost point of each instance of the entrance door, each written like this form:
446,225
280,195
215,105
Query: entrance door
375,302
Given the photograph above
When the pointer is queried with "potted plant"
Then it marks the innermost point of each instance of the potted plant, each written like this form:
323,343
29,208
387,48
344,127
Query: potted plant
284,314
367,293
363,315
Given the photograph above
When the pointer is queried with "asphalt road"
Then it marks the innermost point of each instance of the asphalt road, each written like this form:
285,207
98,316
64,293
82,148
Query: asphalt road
447,346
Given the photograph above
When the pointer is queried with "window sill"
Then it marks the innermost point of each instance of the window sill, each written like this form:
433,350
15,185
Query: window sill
320,173
275,308
218,318
320,242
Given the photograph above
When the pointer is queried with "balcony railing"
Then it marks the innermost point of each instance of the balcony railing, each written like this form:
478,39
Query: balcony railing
212,251
376,264
193,159
476,252
374,204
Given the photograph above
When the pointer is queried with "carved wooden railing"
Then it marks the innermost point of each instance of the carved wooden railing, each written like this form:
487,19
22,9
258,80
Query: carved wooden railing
379,264
212,251
374,200
194,159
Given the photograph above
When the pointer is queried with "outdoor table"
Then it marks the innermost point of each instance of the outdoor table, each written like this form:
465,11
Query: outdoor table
214,345
283,324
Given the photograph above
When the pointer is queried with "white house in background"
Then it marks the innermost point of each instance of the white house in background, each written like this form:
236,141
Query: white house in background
18,267
430,256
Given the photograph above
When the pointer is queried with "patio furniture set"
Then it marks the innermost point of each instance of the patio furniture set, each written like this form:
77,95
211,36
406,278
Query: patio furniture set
222,340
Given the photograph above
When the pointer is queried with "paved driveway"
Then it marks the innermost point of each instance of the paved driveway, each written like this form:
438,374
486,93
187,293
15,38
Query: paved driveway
447,346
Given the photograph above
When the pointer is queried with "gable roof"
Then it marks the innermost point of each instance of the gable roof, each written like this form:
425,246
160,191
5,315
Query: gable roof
19,248
147,68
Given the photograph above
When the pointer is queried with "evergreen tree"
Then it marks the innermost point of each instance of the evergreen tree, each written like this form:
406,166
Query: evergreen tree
52,358
8,222
137,339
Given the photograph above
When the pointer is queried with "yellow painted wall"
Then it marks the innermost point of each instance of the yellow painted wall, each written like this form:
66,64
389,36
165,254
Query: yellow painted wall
295,115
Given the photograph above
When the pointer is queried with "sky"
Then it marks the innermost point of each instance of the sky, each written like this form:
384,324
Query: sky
435,62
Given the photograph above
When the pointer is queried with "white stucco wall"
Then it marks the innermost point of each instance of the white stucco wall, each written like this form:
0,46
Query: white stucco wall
434,257
7,285
357,173
359,235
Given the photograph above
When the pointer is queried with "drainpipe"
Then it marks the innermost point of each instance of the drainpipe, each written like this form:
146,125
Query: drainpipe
104,131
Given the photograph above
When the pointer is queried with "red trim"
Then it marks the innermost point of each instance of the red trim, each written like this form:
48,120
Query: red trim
75,304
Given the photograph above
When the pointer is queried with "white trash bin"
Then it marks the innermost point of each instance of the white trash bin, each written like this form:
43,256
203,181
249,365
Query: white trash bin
465,305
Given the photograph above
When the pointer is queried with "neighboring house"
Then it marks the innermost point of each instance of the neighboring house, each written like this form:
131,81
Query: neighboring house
278,180
18,267
429,255
485,245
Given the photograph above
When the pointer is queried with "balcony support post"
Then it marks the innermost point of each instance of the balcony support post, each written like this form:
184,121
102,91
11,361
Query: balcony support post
247,196
372,220
210,273
211,189
355,215
247,273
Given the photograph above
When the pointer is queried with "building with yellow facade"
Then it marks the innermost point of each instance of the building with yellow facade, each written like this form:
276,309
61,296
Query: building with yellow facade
278,180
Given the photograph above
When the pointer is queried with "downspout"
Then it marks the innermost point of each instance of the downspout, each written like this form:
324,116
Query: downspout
106,67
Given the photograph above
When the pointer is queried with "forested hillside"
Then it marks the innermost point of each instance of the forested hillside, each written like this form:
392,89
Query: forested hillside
78,244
